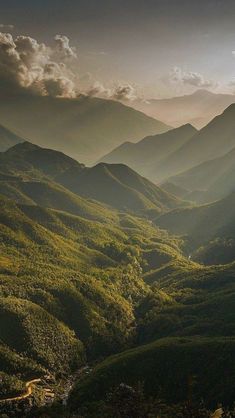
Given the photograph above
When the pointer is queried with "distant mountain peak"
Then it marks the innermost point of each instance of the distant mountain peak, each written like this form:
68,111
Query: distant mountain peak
203,92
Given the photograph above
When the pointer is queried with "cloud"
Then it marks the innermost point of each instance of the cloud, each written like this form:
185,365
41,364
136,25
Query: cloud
124,92
99,90
121,92
29,65
59,87
190,78
63,48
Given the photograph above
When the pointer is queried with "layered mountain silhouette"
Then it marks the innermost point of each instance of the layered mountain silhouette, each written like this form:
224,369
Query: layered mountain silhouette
84,128
213,141
198,108
163,156
33,174
150,151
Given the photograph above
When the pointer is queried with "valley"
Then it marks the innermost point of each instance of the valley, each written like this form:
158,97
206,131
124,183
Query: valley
113,271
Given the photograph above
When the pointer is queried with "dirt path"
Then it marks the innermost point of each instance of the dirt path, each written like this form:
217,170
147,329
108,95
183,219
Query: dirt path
28,391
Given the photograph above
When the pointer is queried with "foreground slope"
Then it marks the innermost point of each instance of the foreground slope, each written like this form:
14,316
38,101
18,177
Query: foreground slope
85,128
155,364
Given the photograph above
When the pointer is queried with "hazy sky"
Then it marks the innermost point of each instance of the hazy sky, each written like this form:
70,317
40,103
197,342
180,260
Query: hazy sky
164,47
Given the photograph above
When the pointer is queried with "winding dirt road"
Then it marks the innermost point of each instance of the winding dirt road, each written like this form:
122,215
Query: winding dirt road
28,391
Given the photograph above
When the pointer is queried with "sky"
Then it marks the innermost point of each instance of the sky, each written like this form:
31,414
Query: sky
155,48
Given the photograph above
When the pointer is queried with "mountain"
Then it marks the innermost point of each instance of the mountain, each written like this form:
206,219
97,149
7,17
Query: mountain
85,128
210,229
8,139
42,175
151,150
29,161
94,281
213,141
181,357
175,189
120,187
211,180
197,109
70,282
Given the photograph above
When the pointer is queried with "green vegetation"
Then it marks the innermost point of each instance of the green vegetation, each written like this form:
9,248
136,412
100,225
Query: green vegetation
164,369
66,279
81,281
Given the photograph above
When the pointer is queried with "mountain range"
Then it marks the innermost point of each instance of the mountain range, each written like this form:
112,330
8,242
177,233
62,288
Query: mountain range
197,109
42,175
101,266
167,155
150,151
84,128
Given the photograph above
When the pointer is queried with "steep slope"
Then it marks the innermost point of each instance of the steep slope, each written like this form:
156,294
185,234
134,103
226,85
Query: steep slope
150,150
84,128
198,108
8,139
213,141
